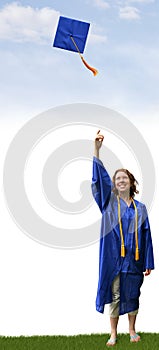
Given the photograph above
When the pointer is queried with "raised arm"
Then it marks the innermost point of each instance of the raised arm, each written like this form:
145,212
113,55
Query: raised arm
101,182
98,143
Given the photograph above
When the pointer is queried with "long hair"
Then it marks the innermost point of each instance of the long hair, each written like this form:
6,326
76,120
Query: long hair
133,182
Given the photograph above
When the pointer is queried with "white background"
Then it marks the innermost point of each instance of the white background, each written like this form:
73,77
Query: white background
53,291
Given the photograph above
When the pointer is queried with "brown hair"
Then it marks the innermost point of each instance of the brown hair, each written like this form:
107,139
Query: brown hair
133,182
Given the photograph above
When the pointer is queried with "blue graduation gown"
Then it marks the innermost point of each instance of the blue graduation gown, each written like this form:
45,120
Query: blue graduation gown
110,261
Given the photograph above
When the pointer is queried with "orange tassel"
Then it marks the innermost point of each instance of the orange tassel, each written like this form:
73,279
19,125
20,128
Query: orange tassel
94,71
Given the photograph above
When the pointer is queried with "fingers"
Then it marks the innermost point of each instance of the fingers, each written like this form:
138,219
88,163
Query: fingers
99,136
148,271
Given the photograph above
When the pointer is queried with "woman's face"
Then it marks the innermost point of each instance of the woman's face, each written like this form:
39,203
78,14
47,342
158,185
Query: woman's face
122,182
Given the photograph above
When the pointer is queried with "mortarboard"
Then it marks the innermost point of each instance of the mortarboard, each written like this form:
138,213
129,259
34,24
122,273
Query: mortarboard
71,35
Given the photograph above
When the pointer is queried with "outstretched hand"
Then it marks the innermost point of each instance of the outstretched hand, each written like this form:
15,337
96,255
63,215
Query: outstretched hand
98,140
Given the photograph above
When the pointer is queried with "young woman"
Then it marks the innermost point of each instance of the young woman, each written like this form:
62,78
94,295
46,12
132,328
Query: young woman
126,252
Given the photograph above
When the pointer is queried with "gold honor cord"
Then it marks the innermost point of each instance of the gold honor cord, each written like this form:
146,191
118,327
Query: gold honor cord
121,231
94,71
136,232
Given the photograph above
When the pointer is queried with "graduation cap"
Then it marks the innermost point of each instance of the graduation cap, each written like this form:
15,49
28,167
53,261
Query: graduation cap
71,35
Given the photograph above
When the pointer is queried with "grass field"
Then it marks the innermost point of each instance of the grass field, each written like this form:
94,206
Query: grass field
149,341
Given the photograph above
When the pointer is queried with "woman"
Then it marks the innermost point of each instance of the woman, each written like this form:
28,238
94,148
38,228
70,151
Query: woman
126,250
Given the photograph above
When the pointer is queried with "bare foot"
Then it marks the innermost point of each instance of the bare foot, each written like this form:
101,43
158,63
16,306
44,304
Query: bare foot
134,337
112,341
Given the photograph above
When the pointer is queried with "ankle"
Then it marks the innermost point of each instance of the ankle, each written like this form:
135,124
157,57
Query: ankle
113,334
132,331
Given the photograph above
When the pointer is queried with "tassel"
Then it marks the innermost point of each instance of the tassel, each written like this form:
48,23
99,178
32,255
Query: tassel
94,70
137,254
123,250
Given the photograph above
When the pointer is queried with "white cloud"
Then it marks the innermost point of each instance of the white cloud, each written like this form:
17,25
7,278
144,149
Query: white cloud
101,4
127,2
96,38
140,1
129,13
27,24
96,35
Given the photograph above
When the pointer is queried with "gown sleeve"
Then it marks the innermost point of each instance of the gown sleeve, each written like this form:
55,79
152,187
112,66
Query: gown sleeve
149,256
101,184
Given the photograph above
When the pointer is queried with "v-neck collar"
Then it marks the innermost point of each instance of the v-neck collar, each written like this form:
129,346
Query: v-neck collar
128,206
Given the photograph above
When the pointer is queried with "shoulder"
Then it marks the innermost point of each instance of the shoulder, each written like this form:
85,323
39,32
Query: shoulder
141,206
113,196
113,199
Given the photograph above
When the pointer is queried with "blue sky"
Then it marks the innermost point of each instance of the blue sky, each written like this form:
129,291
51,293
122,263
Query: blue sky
123,45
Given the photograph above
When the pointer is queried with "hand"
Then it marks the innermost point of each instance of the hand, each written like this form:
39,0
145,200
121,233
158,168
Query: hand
98,140
147,272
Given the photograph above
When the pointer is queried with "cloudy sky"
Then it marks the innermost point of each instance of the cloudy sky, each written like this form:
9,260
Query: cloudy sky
45,288
123,45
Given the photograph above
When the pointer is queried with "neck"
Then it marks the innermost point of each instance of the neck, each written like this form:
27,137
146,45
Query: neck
125,196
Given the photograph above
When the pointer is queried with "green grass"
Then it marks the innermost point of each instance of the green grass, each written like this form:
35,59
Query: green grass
149,341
